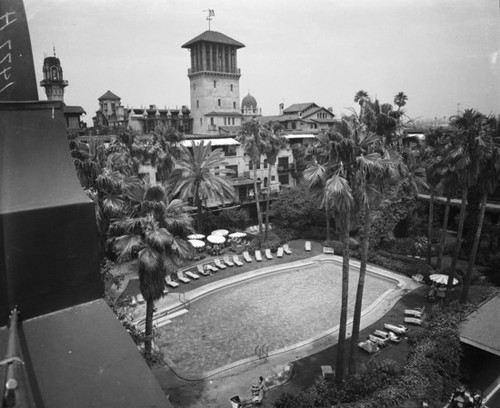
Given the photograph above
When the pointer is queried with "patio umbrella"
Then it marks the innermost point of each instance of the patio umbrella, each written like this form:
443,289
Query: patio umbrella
238,235
196,236
196,243
222,232
216,239
442,279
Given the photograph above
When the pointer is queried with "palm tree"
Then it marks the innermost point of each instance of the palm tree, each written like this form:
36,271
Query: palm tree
465,159
274,143
253,141
361,97
487,182
195,177
150,234
400,100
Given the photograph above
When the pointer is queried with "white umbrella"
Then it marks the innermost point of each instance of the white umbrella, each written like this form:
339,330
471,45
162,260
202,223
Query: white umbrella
442,279
238,235
196,236
216,239
196,243
222,232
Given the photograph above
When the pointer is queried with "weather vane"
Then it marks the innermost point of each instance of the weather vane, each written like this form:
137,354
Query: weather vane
211,13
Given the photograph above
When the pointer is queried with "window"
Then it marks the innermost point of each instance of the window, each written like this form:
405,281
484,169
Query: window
250,165
234,105
234,169
212,121
283,179
231,87
273,178
201,122
258,165
265,163
194,87
233,121
225,121
197,104
218,103
215,84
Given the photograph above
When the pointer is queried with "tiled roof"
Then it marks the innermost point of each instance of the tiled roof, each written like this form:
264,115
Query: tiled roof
298,107
213,36
109,95
74,109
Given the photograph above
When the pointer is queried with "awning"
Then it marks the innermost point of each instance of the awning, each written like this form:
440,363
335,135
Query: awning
300,136
223,141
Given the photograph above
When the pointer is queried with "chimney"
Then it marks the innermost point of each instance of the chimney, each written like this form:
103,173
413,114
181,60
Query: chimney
282,106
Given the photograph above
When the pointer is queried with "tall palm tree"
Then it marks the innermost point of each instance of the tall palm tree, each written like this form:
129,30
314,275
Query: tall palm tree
465,159
487,183
361,97
150,234
275,142
195,177
400,100
253,141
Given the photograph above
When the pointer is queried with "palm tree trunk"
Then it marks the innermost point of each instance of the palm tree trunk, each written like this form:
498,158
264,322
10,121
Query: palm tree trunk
339,364
327,216
429,226
267,202
443,232
199,211
149,327
257,200
458,245
353,360
472,258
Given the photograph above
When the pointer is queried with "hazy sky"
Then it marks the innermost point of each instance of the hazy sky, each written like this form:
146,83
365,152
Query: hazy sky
439,52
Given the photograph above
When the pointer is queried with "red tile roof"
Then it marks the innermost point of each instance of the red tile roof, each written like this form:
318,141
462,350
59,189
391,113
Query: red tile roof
215,37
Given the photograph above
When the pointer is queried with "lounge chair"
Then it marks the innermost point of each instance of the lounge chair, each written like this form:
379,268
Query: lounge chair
211,268
219,264
246,256
140,298
279,254
387,335
182,278
133,301
227,261
258,255
237,261
202,270
307,246
369,346
379,341
192,275
413,320
287,249
328,250
170,282
268,254
417,312
400,329
418,278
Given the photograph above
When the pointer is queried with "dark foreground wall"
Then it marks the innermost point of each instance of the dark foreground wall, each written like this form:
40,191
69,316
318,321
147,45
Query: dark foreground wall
48,237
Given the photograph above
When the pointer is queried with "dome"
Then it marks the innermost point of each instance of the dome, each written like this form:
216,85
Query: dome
249,102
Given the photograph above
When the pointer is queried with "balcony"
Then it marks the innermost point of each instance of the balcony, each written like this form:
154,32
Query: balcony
286,168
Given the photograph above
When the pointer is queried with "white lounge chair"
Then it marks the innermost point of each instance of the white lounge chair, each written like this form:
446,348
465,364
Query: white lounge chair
219,264
258,255
237,261
170,282
417,312
307,246
328,250
202,270
387,335
369,346
192,275
400,329
279,254
413,320
268,254
140,298
211,268
227,261
182,278
378,340
418,278
133,301
246,256
287,249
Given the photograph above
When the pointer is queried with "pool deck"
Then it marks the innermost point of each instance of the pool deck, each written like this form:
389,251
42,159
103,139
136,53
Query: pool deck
235,378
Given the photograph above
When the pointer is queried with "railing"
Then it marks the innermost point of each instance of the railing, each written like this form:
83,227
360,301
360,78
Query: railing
286,168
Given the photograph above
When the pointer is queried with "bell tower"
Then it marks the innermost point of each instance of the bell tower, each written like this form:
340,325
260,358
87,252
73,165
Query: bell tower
53,80
214,79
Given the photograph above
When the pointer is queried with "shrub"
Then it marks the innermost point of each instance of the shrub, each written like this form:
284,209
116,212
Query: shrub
492,273
233,219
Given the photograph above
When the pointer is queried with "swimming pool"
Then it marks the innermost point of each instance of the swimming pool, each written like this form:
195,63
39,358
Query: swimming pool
276,310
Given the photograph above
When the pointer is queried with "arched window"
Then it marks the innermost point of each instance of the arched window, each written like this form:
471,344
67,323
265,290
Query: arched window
265,181
53,73
265,165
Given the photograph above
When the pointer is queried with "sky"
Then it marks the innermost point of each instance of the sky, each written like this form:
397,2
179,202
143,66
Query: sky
443,54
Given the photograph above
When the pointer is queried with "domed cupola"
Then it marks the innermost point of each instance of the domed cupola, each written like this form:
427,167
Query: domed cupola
249,102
